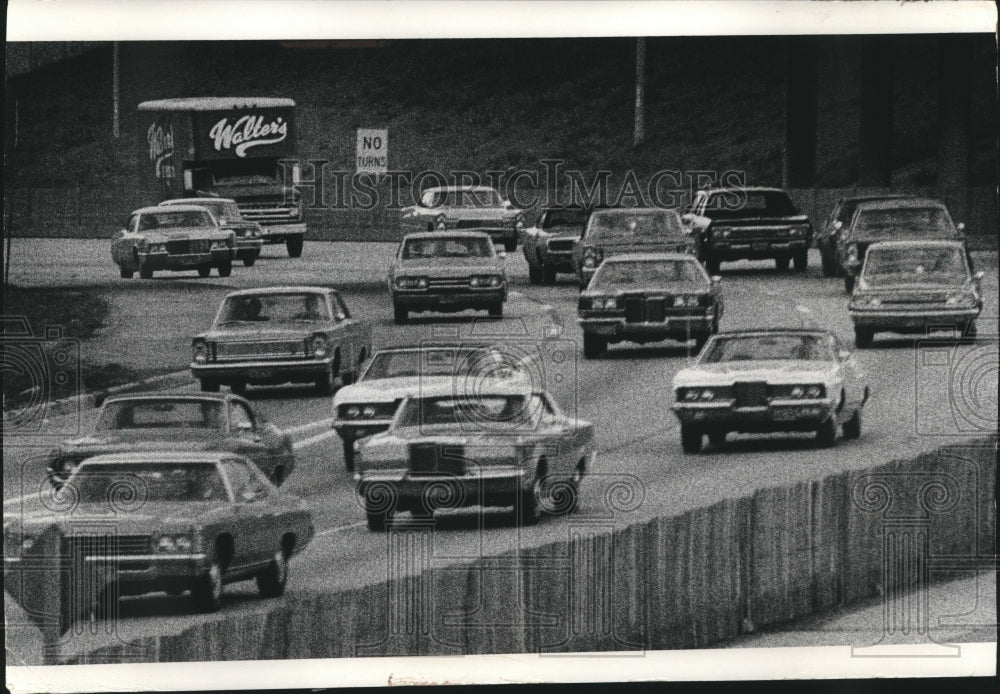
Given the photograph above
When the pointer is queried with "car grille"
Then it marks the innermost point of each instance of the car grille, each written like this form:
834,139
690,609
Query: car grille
185,246
448,283
266,212
110,545
921,298
562,245
762,233
433,459
750,394
645,310
265,350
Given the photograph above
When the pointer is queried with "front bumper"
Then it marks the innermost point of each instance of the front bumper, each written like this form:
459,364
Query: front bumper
248,249
486,486
778,415
450,300
676,327
279,233
262,372
184,261
560,260
912,320
585,274
757,249
136,574
352,430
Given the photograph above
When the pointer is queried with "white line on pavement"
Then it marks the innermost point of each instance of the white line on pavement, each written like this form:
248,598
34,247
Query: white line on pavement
341,528
298,429
314,439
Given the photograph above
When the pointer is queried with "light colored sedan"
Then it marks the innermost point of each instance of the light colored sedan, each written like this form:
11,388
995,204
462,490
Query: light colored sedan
763,381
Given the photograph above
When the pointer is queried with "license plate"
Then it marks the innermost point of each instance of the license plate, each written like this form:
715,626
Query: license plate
781,415
187,262
604,330
761,245
260,373
448,300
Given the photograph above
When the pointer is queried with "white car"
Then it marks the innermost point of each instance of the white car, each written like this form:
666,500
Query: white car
395,373
763,381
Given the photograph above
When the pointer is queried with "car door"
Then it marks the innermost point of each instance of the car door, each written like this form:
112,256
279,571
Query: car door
347,333
245,437
121,246
851,374
559,435
250,514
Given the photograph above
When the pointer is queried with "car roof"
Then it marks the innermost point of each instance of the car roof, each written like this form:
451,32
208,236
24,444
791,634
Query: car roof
631,210
746,189
941,243
873,197
438,189
170,395
484,387
182,457
900,203
773,331
173,208
650,257
214,103
257,291
178,202
446,234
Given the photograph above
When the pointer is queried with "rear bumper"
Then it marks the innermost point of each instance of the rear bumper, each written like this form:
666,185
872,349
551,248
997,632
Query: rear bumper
262,372
449,301
803,415
917,320
168,261
752,250
676,327
488,485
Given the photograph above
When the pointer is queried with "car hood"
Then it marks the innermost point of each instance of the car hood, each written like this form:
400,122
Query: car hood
677,288
562,232
903,287
183,234
130,517
772,371
176,439
489,213
262,331
639,244
448,266
386,389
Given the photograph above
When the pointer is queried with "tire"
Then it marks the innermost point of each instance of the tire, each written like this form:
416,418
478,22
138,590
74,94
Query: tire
248,262
209,386
204,270
691,438
717,438
849,283
529,512
781,264
125,274
239,388
593,346
826,435
225,268
863,337
801,261
278,477
496,310
534,274
400,315
271,581
293,244
712,265
510,245
326,384
145,272
852,427
206,593
829,267
349,455
548,275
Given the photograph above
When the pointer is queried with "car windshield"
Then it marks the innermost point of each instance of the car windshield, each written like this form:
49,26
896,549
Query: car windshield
224,212
464,197
447,247
915,265
161,414
807,347
450,361
145,482
468,411
565,217
648,273
912,221
174,219
772,203
276,308
624,225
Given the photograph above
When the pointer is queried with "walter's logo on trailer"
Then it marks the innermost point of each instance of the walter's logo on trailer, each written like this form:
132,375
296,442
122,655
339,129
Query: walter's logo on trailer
161,149
246,132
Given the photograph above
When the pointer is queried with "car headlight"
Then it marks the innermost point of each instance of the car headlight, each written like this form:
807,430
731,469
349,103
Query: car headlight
852,253
589,261
519,222
368,411
961,299
319,345
158,248
866,301
411,283
724,232
797,391
180,542
199,351
218,245
696,394
353,412
814,391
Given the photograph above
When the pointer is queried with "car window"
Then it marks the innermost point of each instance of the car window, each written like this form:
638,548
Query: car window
925,221
653,223
649,273
277,308
915,264
340,306
246,485
131,224
182,482
767,347
242,419
563,217
161,414
447,247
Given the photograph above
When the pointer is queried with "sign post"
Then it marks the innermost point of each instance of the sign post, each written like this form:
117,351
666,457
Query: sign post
372,151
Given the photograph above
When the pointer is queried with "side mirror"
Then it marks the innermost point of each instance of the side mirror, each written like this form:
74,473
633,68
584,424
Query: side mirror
838,225
979,275
716,279
339,316
844,354
502,255
961,227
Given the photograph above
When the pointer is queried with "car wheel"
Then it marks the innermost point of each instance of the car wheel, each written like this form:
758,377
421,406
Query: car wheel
400,315
852,427
248,262
829,268
848,283
548,275
294,246
863,337
712,265
826,435
125,274
225,268
593,346
529,511
326,383
145,272
781,264
207,589
801,260
717,438
349,455
510,245
496,310
204,270
534,274
209,386
690,438
271,581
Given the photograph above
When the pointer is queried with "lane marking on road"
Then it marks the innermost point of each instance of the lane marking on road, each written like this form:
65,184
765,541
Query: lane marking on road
341,528
298,429
314,439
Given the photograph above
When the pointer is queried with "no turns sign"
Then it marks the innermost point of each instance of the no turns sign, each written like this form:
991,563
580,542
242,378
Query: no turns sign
372,151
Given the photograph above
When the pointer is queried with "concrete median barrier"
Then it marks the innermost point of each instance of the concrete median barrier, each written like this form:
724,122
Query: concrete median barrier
687,581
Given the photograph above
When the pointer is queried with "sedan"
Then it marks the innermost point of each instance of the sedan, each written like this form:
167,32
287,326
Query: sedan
183,521
227,215
179,421
761,381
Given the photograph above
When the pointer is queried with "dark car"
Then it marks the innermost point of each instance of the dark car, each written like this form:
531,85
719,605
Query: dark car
648,298
749,223
227,214
466,207
905,219
614,231
826,236
181,521
548,246
179,421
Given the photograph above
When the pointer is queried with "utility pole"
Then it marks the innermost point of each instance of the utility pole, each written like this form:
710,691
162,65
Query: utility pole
116,95
640,91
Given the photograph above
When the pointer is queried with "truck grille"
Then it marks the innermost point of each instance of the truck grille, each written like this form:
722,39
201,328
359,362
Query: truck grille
562,245
448,283
186,246
750,393
433,459
110,545
920,298
758,233
269,212
260,350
